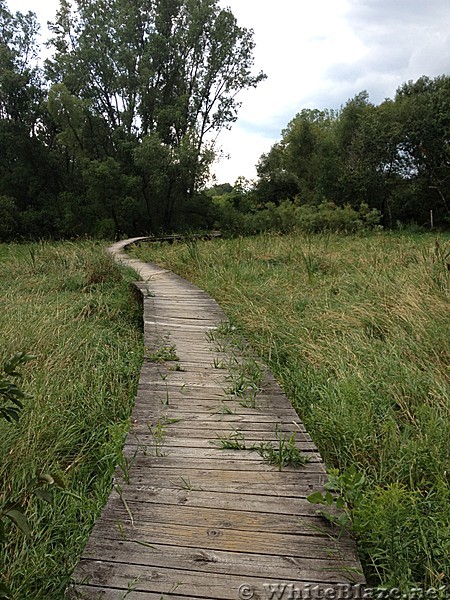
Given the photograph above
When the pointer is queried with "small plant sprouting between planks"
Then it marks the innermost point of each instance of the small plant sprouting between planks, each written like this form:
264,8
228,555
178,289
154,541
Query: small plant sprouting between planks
177,368
284,453
167,353
232,441
245,381
245,373
158,433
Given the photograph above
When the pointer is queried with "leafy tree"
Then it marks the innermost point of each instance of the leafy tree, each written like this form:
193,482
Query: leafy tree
146,84
275,181
393,157
368,140
20,91
27,174
311,153
425,112
303,164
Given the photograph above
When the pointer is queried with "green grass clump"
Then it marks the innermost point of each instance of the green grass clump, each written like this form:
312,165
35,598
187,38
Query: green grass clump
357,330
283,453
71,307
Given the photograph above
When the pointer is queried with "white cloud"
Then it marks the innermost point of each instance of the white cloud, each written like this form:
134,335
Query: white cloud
244,148
329,51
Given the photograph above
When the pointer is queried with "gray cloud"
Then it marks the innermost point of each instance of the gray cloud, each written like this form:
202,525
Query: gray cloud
404,39
367,13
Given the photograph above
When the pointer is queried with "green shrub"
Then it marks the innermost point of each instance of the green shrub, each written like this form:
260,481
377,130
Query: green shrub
290,215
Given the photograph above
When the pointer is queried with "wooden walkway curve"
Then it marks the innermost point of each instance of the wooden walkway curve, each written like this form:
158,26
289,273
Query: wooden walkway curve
187,518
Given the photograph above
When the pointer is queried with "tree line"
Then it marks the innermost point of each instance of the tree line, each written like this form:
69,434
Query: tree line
392,159
115,133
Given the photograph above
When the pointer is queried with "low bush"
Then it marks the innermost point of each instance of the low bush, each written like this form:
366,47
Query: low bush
290,215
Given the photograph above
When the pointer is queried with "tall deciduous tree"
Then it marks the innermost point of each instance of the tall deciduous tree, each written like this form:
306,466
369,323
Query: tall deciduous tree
147,82
304,162
424,107
26,178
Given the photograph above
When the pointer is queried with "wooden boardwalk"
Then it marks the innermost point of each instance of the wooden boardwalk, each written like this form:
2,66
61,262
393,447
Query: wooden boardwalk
186,518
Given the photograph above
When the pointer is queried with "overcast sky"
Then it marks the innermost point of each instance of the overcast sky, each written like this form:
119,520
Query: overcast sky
318,54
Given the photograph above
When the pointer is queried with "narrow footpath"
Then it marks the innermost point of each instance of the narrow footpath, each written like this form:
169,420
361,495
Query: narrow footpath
197,511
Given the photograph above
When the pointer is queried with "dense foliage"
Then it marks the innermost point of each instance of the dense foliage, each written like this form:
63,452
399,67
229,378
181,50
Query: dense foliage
394,157
114,135
332,169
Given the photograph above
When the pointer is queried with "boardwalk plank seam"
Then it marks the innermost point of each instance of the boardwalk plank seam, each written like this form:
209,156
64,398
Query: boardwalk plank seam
185,518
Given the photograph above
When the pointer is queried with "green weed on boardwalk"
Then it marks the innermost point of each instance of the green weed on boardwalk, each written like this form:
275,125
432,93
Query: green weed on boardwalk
357,330
69,306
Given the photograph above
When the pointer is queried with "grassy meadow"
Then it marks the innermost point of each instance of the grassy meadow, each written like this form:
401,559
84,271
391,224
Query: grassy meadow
357,330
71,307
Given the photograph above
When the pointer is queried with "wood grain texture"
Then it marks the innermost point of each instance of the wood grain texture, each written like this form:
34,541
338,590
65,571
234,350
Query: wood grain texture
188,518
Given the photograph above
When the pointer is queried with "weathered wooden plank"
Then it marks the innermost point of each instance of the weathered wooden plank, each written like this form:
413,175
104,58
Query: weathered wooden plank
92,592
185,317
186,386
229,412
219,408
232,540
182,324
205,412
297,505
147,440
179,303
149,370
279,567
196,361
150,433
222,430
212,425
216,393
173,377
266,476
173,309
218,426
265,484
139,457
140,578
141,583
133,447
187,483
216,518
177,436
198,327
208,396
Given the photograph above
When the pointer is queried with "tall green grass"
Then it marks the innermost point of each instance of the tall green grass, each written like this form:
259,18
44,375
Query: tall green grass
69,305
357,331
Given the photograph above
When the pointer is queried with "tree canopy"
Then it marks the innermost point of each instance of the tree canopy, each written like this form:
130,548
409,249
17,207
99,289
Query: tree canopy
394,157
125,111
